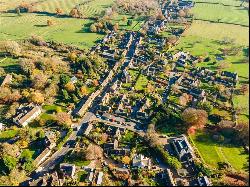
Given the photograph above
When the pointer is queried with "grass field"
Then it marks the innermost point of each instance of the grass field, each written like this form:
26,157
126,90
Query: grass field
92,8
12,4
231,13
218,31
212,152
67,30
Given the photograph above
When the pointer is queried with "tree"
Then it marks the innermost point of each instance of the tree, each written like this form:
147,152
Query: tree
124,19
116,27
59,11
244,89
9,149
95,83
174,162
2,72
70,87
10,162
18,11
16,177
72,56
150,88
205,106
4,94
126,160
94,152
49,22
39,81
184,99
93,28
74,13
194,118
130,22
36,97
65,94
63,119
12,110
182,13
243,132
227,129
160,16
12,47
27,65
84,90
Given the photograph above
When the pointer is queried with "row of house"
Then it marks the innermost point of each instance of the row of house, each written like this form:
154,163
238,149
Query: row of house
186,155
25,114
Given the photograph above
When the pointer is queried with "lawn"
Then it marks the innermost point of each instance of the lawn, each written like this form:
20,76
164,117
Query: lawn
8,134
141,82
212,152
242,101
49,111
10,65
53,108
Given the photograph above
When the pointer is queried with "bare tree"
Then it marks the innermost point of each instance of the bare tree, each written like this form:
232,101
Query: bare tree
94,152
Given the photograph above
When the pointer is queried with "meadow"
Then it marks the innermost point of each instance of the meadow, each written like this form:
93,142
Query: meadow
212,152
89,8
230,13
64,29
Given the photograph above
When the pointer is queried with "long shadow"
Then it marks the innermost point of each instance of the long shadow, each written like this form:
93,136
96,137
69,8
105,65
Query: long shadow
246,51
44,13
12,68
40,25
211,21
218,4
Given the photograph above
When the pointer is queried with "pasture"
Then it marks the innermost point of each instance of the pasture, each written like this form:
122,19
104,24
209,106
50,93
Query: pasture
89,8
67,30
12,4
64,29
212,152
230,12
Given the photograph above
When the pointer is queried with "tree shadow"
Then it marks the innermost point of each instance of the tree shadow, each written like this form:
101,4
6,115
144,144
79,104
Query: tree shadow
246,51
40,25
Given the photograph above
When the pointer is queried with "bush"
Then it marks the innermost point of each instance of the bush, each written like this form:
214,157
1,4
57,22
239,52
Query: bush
203,169
169,160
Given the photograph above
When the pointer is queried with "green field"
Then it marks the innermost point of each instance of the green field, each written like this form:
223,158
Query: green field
12,4
218,31
67,30
212,152
230,12
93,8
64,29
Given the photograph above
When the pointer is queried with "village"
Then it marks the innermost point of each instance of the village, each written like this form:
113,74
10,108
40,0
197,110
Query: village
111,135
